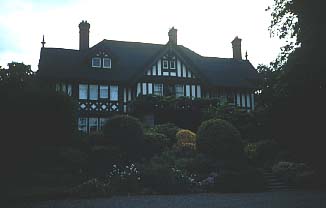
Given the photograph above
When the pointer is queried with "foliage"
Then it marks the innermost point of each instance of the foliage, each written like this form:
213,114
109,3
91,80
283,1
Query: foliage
124,179
91,187
296,107
125,132
155,143
262,153
17,76
168,129
165,179
219,140
186,138
297,174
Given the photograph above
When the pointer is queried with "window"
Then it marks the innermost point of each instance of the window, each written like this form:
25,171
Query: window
96,62
165,64
102,122
179,90
83,88
82,124
107,63
158,89
114,93
104,91
69,89
93,92
172,64
92,126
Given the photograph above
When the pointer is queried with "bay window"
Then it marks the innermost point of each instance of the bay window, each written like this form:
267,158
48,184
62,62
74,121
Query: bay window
104,91
83,88
93,92
114,92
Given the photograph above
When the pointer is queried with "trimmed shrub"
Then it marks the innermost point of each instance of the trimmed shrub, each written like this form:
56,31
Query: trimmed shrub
125,132
186,138
169,129
219,139
155,143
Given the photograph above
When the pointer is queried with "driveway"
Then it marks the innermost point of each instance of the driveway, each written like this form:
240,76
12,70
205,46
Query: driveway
286,199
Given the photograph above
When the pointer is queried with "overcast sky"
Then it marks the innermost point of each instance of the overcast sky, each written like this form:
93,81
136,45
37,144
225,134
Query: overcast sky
205,26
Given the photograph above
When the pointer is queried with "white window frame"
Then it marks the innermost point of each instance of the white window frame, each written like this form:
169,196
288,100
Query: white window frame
178,88
104,91
110,63
96,59
69,90
172,61
93,92
158,89
165,64
91,124
102,123
85,87
114,93
82,124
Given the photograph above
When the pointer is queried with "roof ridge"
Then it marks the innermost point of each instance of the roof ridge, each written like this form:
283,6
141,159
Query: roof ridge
122,41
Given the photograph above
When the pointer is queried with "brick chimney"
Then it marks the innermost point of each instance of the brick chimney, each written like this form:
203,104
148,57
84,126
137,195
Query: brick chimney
84,35
173,37
236,46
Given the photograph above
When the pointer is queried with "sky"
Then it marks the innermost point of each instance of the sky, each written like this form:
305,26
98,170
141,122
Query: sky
205,26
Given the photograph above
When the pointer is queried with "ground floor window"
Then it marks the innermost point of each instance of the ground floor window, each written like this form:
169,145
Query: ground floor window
82,124
92,124
158,89
179,90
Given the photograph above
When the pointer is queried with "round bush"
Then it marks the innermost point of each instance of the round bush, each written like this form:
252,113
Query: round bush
155,143
186,138
125,132
220,140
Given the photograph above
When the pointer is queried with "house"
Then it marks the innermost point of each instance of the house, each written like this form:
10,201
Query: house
106,77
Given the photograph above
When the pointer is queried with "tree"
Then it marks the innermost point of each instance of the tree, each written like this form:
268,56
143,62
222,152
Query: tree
17,76
298,108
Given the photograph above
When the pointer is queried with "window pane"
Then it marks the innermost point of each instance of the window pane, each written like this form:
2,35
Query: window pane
158,89
83,91
107,63
96,62
102,122
104,91
165,64
82,124
179,90
114,93
172,64
69,89
93,92
92,125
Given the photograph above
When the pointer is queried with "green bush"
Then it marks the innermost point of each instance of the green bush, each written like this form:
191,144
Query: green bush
262,153
155,143
169,129
220,140
125,132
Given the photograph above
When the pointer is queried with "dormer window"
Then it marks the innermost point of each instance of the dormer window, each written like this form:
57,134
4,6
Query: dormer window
165,64
172,64
96,62
107,63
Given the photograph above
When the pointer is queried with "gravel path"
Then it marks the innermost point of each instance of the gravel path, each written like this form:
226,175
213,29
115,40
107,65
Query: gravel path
286,199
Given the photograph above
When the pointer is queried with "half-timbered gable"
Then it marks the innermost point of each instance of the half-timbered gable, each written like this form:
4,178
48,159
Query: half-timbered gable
108,76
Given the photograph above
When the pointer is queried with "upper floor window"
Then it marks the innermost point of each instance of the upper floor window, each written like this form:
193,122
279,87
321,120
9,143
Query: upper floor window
172,64
93,92
104,91
96,62
114,92
165,64
107,63
83,91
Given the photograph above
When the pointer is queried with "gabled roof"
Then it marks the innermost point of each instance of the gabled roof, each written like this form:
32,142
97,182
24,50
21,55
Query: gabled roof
132,58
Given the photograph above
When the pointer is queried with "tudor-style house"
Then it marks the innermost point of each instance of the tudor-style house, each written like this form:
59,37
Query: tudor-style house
106,77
